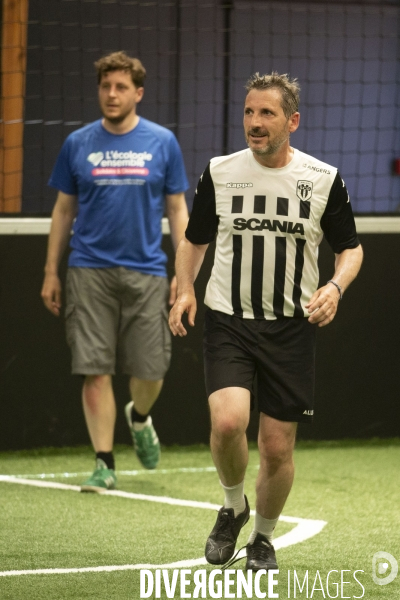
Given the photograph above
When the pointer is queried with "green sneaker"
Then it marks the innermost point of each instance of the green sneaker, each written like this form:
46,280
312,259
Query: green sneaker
146,443
101,480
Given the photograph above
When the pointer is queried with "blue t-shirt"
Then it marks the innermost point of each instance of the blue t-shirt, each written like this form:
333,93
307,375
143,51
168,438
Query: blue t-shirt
120,182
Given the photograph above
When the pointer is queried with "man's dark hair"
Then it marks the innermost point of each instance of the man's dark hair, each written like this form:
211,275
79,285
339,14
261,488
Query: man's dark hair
120,61
289,88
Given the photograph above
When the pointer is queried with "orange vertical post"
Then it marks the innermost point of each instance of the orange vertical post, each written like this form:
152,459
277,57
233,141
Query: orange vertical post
13,74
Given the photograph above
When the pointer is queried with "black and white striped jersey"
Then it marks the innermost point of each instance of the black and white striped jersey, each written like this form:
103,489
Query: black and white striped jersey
269,224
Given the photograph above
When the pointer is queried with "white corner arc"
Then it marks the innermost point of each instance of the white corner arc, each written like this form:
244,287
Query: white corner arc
304,530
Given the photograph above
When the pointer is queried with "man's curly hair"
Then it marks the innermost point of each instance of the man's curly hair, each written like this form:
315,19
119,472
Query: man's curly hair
120,61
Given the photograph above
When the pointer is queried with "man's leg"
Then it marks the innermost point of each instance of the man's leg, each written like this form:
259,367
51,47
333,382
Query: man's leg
145,352
92,318
99,410
100,414
276,441
144,393
230,412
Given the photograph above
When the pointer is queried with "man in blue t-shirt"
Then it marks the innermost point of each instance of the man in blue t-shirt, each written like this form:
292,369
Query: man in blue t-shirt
115,178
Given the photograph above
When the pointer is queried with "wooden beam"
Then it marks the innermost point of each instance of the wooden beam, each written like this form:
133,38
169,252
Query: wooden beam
13,74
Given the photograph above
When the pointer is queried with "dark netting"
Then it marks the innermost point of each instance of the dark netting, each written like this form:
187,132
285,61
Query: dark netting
198,56
345,57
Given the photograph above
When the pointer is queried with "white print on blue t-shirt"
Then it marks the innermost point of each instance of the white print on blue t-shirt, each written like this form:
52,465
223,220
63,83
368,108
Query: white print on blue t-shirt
113,158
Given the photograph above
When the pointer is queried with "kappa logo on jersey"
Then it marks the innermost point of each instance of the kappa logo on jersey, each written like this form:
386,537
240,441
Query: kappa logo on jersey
238,185
304,189
95,158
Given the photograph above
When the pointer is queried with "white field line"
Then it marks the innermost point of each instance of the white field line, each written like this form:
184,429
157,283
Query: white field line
305,529
123,473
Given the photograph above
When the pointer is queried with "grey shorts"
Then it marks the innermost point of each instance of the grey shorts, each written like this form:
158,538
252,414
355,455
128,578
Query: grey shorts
117,315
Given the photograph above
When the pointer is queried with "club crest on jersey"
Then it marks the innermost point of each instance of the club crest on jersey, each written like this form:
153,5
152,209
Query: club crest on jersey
304,189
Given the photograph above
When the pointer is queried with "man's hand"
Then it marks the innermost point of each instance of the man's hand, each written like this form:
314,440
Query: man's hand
51,294
323,305
185,303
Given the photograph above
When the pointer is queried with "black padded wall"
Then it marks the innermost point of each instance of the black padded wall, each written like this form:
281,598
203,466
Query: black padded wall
357,386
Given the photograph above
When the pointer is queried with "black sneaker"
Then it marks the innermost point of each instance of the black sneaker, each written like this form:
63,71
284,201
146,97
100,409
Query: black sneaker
221,542
260,554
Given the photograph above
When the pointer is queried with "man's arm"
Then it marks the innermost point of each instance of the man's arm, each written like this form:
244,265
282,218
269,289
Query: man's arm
189,258
64,213
178,216
324,302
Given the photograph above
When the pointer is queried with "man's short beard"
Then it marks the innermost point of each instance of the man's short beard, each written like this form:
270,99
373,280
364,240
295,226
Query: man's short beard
115,120
270,149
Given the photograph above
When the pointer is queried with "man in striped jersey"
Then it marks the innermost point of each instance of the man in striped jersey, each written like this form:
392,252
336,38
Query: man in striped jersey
269,207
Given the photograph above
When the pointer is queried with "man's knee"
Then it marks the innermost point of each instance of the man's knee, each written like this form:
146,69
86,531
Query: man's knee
227,426
94,389
230,412
276,444
276,453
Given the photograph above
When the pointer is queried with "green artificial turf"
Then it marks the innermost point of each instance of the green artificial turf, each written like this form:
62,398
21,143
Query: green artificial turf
353,486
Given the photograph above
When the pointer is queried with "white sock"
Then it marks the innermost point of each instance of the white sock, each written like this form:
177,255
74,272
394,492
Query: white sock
264,526
234,497
140,426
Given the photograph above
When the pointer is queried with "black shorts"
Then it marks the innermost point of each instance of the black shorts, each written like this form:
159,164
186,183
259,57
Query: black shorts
279,354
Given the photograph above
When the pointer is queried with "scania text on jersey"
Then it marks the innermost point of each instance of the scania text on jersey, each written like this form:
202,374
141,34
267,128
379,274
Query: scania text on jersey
253,224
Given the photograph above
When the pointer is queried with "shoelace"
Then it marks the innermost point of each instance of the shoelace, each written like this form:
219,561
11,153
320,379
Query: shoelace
234,560
261,550
258,551
224,518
